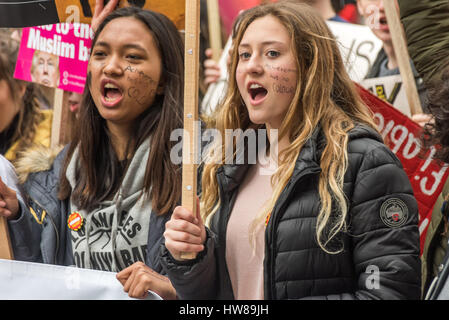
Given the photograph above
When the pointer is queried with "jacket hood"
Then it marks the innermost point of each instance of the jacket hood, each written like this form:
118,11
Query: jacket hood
38,158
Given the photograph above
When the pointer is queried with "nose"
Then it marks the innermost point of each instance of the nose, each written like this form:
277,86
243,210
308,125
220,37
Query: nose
113,66
45,67
254,65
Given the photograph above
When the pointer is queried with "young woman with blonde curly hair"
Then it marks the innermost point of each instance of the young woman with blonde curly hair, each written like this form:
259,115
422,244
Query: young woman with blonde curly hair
336,219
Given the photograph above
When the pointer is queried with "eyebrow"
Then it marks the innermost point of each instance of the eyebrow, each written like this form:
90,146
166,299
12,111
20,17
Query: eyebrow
265,43
126,46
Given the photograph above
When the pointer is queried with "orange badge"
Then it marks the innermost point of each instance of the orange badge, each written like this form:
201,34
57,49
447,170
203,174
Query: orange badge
75,221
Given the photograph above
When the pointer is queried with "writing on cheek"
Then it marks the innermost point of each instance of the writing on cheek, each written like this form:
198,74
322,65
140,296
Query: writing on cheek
143,86
280,88
139,76
279,69
140,96
279,78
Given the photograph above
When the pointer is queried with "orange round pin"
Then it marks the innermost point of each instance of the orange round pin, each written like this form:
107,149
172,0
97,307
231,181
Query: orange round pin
75,221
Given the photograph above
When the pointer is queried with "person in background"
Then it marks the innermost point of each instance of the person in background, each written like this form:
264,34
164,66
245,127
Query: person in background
327,8
74,101
23,124
386,64
347,9
103,202
323,218
426,25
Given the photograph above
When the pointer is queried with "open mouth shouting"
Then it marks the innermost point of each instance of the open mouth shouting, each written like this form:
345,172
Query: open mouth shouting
383,23
111,93
257,93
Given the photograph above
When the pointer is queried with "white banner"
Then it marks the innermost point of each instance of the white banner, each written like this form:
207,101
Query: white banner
358,46
389,89
36,281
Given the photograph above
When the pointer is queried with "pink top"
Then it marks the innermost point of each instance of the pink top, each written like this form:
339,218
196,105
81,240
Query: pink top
244,261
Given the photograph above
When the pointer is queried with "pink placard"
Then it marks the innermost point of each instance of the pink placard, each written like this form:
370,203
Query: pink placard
229,10
55,55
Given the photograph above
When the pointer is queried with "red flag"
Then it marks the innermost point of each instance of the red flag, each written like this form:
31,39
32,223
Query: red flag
402,135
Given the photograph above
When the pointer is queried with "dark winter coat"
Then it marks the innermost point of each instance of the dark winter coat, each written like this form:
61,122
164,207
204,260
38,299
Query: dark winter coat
380,259
42,235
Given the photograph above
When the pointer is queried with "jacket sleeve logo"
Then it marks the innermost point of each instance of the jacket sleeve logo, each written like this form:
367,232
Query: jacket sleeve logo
394,213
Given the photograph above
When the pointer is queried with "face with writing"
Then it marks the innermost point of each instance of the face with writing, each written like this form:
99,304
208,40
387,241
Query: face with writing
45,69
125,70
266,72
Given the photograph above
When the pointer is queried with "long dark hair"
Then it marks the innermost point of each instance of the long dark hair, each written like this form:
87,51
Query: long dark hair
437,133
99,167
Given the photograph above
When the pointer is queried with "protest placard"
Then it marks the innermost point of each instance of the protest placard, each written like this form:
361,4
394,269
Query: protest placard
389,89
28,13
358,46
55,55
71,11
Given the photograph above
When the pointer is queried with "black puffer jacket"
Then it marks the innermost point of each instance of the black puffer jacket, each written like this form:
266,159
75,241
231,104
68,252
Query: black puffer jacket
381,248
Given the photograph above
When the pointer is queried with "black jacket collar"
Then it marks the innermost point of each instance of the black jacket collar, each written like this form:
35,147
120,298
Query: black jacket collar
232,175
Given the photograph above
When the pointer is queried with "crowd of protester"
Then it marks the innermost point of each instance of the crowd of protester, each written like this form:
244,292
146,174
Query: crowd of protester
325,202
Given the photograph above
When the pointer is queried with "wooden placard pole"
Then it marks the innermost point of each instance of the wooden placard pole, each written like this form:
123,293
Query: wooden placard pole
213,17
60,118
5,242
190,142
402,55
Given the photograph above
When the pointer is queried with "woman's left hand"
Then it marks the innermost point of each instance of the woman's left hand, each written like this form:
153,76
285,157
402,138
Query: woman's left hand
138,278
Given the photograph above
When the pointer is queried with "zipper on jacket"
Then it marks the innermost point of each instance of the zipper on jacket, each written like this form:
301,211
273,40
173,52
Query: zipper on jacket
54,227
271,227
223,226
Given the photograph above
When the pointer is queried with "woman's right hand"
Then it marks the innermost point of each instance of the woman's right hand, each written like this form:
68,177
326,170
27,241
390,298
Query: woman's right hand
184,232
9,205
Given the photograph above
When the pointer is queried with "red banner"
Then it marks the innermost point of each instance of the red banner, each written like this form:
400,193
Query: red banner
402,135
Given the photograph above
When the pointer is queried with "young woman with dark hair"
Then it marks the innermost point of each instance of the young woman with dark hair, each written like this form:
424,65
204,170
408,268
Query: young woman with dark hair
104,201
